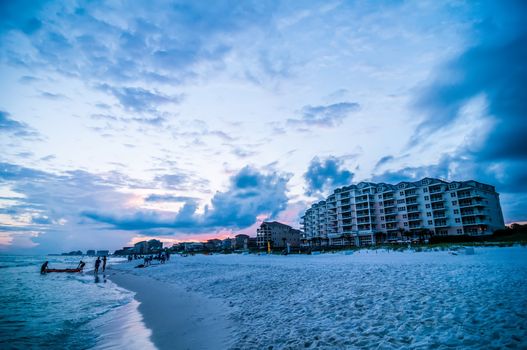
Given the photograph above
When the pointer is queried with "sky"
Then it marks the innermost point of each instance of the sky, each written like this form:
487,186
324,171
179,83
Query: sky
186,120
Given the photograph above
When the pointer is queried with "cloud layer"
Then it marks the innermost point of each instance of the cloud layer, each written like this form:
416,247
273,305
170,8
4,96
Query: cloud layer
249,195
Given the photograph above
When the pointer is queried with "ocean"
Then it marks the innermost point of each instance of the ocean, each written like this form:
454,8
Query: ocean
63,310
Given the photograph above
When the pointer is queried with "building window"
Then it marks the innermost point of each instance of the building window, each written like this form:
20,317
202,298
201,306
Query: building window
456,211
428,214
425,189
405,224
452,194
454,202
427,205
401,208
382,218
383,225
381,210
429,222
401,193
400,201
427,198
458,220
404,216
459,231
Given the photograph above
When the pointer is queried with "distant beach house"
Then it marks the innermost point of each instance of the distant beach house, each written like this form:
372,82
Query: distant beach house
146,247
154,245
90,252
193,246
213,244
241,241
277,234
369,213
103,253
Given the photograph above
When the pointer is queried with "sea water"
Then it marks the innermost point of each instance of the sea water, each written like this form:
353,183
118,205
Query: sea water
60,310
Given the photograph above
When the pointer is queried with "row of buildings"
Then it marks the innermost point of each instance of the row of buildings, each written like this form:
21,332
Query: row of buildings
140,248
273,234
369,213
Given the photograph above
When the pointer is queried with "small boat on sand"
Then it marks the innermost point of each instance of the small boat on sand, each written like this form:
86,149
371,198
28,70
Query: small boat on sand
63,270
45,269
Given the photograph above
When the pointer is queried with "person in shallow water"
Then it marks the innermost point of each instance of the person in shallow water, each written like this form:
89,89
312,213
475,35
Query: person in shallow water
103,263
44,267
97,263
81,265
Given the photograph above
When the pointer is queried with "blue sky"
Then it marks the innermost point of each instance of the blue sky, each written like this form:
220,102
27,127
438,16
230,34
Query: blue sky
184,120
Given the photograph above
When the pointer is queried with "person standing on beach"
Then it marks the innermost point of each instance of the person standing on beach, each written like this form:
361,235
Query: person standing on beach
104,263
97,263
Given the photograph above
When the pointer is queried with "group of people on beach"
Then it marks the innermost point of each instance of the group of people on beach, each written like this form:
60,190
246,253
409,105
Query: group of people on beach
162,257
45,269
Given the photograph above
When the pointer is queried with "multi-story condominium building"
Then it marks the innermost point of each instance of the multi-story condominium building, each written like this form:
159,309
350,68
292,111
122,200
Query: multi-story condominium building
277,234
369,212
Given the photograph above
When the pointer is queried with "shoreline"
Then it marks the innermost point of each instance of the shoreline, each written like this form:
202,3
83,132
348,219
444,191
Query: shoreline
176,318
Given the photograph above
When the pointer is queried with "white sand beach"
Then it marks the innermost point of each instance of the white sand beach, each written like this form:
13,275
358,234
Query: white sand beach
369,299
177,319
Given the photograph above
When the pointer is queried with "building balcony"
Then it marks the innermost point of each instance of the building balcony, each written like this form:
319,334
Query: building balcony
413,209
435,189
389,204
441,223
471,221
391,218
411,201
472,213
436,199
468,194
471,204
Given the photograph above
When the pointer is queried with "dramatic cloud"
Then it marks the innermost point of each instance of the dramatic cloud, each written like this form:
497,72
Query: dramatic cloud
492,68
325,116
15,128
326,174
249,195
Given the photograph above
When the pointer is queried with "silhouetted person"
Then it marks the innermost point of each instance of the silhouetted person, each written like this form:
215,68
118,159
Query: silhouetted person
97,263
103,263
81,265
44,267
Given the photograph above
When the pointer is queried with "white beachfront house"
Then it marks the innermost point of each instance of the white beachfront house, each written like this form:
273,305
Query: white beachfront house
368,212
